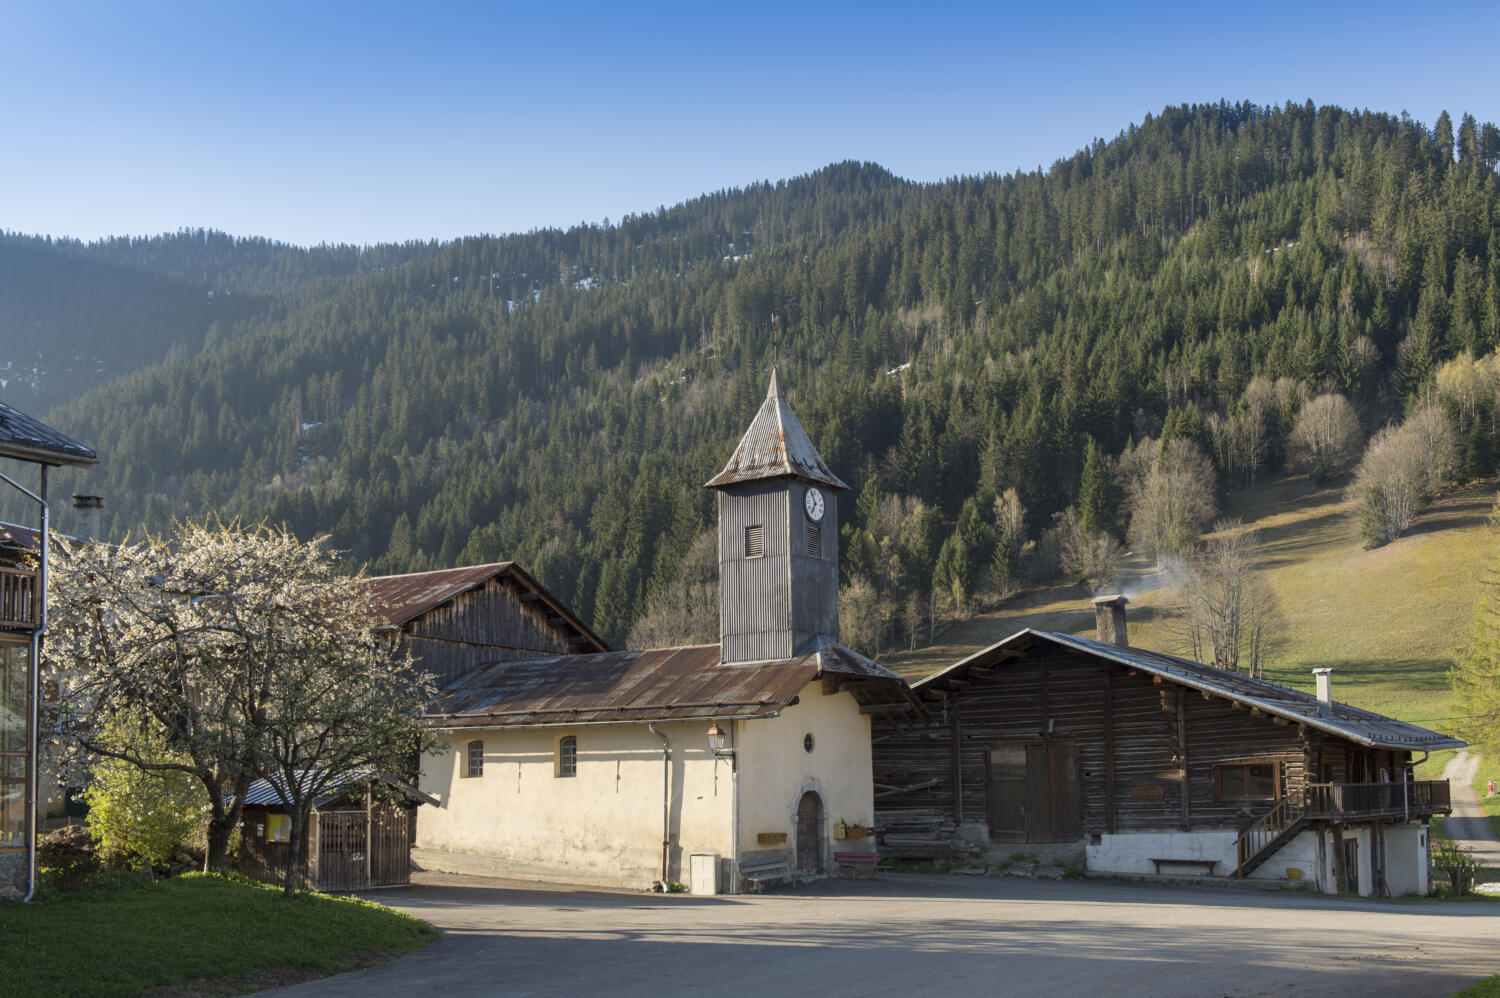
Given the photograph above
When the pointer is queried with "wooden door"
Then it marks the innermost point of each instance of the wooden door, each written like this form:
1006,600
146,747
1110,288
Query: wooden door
1035,792
809,834
1007,793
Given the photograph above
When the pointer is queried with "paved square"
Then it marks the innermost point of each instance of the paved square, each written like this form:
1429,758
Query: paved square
930,935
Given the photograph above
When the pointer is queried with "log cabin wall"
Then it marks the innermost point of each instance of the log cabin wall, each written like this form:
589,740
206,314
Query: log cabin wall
1153,732
485,625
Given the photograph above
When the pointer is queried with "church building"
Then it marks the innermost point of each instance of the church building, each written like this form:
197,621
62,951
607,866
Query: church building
722,765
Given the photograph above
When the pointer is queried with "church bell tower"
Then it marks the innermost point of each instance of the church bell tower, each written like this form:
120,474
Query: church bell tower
778,540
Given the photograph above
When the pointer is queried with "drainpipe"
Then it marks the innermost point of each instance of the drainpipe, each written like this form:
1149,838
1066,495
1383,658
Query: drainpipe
34,679
1406,783
734,810
666,799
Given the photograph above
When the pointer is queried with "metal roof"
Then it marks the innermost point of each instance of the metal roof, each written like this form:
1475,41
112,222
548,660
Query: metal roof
662,684
402,598
775,446
28,439
263,792
1362,726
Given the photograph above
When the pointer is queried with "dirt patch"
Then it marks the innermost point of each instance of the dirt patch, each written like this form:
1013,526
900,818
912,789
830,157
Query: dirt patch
276,976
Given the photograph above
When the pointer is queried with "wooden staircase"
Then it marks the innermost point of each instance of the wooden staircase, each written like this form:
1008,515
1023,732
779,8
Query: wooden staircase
1269,833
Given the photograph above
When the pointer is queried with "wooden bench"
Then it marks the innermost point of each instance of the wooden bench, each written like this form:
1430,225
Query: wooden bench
1205,867
759,869
854,862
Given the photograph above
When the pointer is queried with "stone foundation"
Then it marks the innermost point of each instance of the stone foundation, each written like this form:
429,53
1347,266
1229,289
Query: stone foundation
12,875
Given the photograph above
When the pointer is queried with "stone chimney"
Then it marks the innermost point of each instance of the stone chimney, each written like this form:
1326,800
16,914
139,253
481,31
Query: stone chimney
87,511
1325,691
1109,619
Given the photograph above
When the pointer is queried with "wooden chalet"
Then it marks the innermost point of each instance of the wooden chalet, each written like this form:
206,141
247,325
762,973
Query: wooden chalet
1135,762
359,836
23,621
457,619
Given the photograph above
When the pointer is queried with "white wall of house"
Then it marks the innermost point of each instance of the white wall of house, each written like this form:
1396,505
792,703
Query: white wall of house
776,770
603,825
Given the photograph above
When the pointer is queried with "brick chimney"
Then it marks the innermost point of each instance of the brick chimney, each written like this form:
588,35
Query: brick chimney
87,511
1109,619
1325,691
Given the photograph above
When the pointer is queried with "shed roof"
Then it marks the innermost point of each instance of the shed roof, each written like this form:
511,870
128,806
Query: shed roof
775,446
1361,726
28,439
662,684
265,793
403,598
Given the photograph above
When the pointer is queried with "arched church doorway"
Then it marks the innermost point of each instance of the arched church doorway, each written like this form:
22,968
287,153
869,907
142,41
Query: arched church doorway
810,833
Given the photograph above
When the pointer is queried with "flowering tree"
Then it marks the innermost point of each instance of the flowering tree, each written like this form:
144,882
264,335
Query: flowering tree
198,654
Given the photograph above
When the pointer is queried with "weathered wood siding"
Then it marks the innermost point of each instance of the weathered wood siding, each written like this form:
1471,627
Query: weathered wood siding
489,624
1148,728
755,605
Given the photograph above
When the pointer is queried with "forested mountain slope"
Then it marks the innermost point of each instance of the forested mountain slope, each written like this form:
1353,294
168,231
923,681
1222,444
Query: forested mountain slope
559,397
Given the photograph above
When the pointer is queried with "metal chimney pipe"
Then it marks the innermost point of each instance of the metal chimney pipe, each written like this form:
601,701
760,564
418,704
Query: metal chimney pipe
1109,619
1325,691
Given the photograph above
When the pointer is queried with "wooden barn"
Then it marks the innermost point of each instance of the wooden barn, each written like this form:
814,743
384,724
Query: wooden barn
359,836
456,619
1128,761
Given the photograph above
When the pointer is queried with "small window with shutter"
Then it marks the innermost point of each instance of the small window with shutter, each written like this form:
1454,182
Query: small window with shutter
755,541
814,541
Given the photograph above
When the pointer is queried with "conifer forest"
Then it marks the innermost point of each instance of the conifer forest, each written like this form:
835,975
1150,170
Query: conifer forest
977,358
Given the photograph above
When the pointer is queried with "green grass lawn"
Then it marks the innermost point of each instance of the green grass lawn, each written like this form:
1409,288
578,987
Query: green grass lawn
125,942
1387,619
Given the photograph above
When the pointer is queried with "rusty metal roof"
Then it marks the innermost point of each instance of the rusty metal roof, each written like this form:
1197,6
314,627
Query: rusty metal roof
1362,726
775,446
662,684
28,439
402,598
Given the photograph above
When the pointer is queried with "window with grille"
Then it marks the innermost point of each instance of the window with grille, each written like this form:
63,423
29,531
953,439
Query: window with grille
814,540
755,541
1247,781
475,765
567,756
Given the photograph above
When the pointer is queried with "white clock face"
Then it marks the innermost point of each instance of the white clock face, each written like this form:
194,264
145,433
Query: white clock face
814,503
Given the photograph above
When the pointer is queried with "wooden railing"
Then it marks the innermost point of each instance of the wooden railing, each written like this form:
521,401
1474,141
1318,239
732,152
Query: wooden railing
1367,800
18,604
1266,829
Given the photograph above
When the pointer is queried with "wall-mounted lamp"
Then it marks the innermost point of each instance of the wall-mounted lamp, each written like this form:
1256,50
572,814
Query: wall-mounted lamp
716,743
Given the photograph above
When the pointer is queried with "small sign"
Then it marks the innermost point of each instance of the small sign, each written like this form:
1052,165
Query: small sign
1147,793
770,838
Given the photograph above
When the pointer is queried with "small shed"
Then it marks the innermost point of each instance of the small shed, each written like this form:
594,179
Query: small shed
359,836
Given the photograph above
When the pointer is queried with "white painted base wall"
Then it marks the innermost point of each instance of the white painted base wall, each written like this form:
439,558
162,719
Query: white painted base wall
1406,859
1133,853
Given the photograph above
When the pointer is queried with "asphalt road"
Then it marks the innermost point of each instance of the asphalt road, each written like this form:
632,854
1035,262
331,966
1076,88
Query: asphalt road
933,935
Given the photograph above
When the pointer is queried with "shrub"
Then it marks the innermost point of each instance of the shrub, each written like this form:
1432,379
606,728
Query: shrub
68,855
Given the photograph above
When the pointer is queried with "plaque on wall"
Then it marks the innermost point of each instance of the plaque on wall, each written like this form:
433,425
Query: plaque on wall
770,838
1147,793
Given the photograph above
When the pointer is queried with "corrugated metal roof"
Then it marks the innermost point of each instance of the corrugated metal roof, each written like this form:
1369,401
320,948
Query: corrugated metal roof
775,446
1362,726
403,598
28,439
262,792
661,684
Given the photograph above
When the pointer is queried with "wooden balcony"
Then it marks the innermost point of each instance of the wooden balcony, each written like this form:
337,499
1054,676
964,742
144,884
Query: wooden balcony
1338,801
18,603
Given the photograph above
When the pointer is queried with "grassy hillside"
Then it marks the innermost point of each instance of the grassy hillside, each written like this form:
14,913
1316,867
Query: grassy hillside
1386,618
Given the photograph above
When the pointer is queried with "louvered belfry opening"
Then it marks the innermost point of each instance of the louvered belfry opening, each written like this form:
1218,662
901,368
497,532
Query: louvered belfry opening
778,576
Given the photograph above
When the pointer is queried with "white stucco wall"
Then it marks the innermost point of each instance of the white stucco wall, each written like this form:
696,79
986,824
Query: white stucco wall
602,826
775,771
1406,857
1133,852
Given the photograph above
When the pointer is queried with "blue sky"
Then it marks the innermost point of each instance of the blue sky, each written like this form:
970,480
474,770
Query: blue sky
312,122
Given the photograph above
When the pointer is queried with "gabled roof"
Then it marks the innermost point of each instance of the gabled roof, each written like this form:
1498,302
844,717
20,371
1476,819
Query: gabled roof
401,599
27,439
1361,726
775,446
663,684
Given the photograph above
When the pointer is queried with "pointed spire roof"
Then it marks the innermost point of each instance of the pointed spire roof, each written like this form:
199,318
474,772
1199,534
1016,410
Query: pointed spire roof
775,446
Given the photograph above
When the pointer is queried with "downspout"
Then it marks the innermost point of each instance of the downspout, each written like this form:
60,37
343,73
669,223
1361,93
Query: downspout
1406,783
34,681
666,799
734,808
